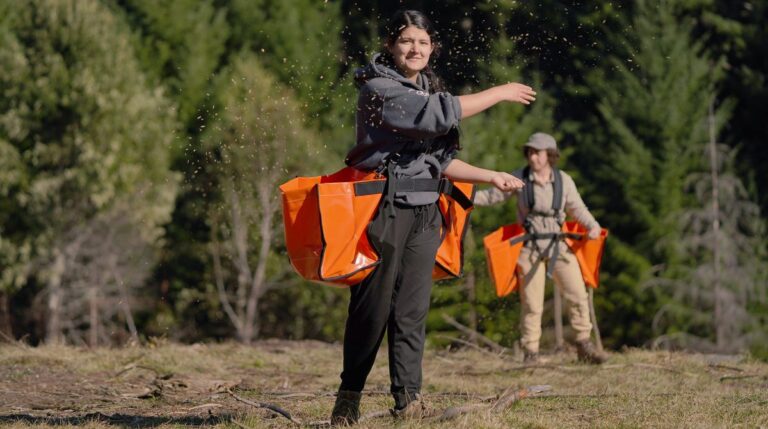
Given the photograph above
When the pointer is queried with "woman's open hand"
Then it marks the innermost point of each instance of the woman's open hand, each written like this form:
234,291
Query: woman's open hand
517,93
506,182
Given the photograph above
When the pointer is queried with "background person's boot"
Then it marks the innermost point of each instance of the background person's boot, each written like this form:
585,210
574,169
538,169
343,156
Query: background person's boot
586,352
346,410
531,358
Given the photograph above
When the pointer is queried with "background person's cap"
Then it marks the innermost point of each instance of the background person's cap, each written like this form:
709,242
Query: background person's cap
541,141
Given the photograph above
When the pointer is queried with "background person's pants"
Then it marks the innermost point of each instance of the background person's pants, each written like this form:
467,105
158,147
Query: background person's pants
394,297
567,277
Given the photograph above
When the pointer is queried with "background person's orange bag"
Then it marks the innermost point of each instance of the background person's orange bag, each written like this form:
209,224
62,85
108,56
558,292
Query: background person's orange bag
588,252
501,253
502,249
326,220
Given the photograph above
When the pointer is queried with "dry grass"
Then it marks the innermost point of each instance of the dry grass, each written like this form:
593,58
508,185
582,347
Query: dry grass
171,385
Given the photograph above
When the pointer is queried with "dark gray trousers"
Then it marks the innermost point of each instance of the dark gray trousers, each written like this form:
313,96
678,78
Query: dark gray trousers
393,298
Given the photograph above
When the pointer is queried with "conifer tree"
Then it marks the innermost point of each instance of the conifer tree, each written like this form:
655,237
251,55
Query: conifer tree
85,138
653,95
653,103
180,44
723,241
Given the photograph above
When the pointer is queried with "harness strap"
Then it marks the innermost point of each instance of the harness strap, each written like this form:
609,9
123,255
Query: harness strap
529,200
442,186
554,238
528,195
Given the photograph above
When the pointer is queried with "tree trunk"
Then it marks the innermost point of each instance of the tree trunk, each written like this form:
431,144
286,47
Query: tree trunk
470,285
93,316
54,334
125,304
6,329
720,332
258,285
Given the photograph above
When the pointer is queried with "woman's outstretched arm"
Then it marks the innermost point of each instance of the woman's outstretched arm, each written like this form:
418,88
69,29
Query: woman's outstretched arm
473,104
461,171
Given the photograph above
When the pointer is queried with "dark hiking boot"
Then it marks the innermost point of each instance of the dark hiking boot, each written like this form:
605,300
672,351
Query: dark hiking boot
531,358
587,352
416,409
346,410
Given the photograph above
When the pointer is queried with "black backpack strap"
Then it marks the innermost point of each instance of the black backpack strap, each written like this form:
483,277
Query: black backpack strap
524,174
557,198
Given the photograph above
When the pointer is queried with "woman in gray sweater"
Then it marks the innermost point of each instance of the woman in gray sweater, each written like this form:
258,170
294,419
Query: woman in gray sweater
406,128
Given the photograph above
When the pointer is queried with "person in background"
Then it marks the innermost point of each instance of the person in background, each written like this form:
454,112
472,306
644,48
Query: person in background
542,256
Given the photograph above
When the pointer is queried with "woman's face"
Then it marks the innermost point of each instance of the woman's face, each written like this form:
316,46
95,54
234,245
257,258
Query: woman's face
411,51
538,159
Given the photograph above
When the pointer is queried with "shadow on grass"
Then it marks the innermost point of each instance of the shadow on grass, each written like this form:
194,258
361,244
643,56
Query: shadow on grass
122,420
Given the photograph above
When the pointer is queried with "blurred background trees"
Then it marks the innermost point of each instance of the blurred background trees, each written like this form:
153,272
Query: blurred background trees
89,186
142,142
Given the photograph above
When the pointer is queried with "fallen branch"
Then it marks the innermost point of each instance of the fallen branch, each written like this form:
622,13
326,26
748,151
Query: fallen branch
504,401
296,395
721,366
739,377
467,343
268,406
473,333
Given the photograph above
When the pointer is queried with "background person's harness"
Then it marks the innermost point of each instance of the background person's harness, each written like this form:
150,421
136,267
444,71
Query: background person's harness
552,250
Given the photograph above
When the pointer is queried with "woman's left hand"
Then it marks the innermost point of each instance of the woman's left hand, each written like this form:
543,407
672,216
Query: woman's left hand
594,233
506,182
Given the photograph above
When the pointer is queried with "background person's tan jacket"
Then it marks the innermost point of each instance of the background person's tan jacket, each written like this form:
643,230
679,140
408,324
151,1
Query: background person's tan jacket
542,218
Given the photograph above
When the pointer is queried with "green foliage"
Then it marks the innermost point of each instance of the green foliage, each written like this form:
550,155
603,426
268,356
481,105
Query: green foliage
86,142
180,43
82,129
653,101
307,61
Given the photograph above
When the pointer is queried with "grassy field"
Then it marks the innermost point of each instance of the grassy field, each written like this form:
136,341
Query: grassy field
171,385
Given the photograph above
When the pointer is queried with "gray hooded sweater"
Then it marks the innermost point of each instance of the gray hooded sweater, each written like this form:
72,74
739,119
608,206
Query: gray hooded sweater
396,115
